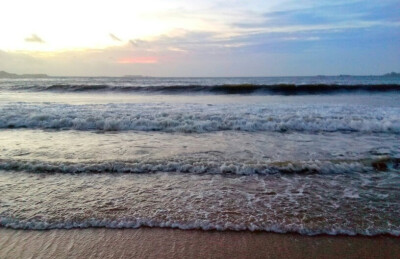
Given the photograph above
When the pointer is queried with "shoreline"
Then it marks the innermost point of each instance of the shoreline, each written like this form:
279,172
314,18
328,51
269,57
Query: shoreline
175,243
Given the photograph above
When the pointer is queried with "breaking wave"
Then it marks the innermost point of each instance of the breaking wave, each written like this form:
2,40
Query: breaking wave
280,89
194,118
198,166
198,225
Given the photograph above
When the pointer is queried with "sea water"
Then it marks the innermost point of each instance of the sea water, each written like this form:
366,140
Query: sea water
312,155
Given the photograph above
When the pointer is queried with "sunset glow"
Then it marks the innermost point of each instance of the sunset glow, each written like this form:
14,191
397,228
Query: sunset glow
138,60
200,38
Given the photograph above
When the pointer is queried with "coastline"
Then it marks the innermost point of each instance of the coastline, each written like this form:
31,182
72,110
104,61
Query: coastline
175,243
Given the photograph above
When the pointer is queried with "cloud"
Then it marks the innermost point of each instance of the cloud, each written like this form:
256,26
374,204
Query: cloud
296,38
320,17
34,38
137,42
112,36
228,38
180,41
138,60
177,49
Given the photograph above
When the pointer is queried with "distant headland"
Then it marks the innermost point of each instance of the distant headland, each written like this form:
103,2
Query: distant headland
394,74
4,74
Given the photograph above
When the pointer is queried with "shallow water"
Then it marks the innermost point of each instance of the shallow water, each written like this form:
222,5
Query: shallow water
309,204
312,164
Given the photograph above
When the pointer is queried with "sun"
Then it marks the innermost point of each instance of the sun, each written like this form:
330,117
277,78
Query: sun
46,25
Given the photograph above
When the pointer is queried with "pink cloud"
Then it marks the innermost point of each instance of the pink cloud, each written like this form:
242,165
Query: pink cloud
138,60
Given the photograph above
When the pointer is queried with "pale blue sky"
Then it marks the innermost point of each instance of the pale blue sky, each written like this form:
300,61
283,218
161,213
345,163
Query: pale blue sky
200,38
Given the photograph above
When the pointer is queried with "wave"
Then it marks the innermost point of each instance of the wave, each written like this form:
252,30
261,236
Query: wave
352,201
190,118
278,89
197,166
198,225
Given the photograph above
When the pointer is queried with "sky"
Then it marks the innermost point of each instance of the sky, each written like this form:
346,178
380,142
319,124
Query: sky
200,38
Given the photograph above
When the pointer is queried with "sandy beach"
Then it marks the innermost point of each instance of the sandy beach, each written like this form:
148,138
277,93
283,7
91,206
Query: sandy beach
200,129
173,243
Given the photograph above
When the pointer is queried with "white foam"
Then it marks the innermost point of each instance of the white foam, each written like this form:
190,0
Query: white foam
191,166
199,224
201,118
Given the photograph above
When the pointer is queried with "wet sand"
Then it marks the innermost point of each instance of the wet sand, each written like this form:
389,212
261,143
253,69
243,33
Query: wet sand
173,243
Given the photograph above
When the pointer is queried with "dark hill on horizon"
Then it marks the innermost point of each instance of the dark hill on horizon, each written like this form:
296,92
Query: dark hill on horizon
4,74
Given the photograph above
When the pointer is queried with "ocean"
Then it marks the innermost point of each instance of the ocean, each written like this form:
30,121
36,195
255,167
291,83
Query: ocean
309,155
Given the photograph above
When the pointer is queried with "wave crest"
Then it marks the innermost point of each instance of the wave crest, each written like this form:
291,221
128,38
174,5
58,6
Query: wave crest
280,89
204,166
201,118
